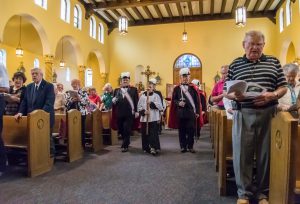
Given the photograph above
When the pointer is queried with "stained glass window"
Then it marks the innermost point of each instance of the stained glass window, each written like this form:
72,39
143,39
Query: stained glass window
187,60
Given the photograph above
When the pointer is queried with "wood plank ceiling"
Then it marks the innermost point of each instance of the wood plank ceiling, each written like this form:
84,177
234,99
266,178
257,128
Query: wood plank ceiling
150,12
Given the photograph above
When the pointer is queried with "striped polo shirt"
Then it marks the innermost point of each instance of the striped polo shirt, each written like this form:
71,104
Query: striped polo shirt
266,72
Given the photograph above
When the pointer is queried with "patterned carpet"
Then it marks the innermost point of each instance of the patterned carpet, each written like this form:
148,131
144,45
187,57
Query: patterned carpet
112,177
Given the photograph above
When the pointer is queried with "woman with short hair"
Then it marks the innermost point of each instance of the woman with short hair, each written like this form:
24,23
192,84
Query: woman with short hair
289,100
16,94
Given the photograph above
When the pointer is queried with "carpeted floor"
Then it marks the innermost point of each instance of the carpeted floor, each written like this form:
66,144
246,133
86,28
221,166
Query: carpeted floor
134,177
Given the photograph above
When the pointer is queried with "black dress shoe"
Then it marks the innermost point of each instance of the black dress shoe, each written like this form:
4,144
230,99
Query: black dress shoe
124,149
183,150
191,150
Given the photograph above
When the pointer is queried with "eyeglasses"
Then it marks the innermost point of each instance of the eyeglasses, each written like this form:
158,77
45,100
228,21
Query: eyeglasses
259,45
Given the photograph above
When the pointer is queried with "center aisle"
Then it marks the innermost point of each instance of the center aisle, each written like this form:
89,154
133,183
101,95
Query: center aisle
134,177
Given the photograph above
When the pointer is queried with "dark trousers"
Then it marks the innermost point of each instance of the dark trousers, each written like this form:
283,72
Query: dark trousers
2,148
83,117
124,126
151,139
186,131
159,129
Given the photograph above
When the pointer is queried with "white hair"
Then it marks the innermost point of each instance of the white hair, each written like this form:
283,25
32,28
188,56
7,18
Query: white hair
290,68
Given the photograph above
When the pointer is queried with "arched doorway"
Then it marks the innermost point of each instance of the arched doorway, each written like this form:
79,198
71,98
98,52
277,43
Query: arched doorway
68,50
187,60
291,53
34,43
93,64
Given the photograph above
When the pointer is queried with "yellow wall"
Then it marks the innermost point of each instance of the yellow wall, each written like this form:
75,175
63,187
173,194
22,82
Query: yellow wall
214,42
290,34
49,22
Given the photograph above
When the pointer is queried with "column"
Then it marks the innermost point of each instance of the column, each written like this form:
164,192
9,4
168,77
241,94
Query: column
49,59
103,81
81,74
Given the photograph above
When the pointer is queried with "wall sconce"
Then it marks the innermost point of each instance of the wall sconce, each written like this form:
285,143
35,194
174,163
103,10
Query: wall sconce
240,16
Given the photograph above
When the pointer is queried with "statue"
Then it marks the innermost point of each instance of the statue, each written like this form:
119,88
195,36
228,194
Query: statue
54,77
21,68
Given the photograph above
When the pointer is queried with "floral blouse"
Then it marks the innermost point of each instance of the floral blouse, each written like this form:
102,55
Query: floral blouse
79,105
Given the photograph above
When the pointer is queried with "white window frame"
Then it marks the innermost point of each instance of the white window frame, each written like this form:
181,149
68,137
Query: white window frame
41,3
288,12
93,27
101,33
36,63
88,77
79,16
3,57
65,10
68,74
281,20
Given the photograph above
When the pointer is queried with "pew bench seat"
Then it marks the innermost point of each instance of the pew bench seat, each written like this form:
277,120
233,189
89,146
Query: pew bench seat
297,188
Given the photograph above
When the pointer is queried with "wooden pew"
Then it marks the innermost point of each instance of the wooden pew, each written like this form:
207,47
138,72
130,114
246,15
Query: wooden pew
285,159
31,133
73,133
106,120
225,151
216,137
93,124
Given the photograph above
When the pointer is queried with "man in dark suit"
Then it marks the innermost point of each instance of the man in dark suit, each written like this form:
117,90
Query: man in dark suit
125,105
39,95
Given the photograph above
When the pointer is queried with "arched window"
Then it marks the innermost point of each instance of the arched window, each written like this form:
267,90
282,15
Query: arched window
288,12
101,33
88,77
281,20
68,73
187,60
77,16
3,57
41,3
36,63
93,27
65,10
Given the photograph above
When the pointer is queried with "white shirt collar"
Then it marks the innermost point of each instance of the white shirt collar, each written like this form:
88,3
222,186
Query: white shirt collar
38,84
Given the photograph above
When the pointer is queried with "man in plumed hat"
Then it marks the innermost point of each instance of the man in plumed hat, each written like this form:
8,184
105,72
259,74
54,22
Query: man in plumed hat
125,109
184,110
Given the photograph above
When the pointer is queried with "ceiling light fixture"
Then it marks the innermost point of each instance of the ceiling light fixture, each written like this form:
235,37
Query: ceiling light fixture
240,16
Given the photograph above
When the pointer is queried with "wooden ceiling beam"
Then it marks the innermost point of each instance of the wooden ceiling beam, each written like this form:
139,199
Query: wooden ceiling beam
247,3
279,4
125,4
147,11
269,4
257,5
223,6
179,9
129,16
116,13
201,7
158,11
168,10
107,15
234,5
190,7
207,17
212,6
136,11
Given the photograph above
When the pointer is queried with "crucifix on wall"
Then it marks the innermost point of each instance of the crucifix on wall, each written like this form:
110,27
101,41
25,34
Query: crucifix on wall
148,73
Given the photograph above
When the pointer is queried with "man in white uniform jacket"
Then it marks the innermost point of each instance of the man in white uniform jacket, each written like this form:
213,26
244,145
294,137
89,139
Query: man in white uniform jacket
151,114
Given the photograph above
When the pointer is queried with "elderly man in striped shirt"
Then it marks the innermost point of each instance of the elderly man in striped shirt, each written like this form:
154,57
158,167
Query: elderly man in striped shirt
251,129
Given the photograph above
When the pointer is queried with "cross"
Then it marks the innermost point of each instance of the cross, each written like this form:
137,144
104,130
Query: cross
148,73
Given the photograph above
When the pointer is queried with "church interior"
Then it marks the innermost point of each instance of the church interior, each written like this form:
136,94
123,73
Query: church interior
86,40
